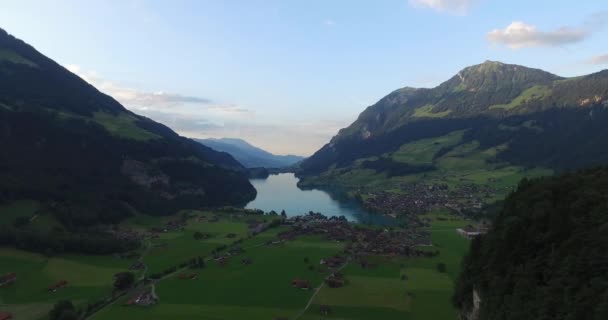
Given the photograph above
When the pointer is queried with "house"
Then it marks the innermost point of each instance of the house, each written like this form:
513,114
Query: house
300,284
144,299
60,284
7,279
5,316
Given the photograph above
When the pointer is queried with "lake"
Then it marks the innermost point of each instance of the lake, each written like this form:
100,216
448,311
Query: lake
281,192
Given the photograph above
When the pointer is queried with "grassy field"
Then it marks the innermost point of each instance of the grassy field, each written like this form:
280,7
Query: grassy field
89,278
381,293
535,92
427,112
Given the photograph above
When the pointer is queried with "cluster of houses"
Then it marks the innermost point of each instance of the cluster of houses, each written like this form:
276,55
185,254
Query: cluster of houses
361,241
419,198
7,279
143,299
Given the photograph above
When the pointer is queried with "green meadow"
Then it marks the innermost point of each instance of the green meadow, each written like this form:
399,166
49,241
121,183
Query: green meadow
89,279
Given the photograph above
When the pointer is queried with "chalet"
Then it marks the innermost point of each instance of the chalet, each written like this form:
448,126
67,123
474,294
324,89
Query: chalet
59,285
300,284
5,316
7,279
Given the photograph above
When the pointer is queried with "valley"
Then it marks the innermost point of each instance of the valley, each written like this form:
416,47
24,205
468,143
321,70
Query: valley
483,197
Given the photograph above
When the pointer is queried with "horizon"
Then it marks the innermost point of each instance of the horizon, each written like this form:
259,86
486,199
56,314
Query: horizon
226,70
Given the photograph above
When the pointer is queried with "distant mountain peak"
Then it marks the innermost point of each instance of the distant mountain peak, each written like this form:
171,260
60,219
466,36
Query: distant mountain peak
491,76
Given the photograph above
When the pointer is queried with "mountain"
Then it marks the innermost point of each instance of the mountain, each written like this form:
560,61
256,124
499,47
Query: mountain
89,160
545,256
248,155
492,118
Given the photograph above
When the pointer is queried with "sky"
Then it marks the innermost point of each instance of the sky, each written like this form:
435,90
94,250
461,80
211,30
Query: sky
287,75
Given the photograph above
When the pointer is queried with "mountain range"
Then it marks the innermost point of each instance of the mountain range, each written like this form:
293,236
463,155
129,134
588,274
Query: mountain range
492,115
88,159
248,155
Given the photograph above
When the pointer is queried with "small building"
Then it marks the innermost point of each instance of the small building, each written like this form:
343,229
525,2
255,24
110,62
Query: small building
470,232
7,279
59,285
300,284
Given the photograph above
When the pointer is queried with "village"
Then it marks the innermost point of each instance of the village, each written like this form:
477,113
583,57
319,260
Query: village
419,198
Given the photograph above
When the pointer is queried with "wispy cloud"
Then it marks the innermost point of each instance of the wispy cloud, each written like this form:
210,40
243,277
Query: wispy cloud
458,7
133,97
519,34
599,59
198,117
329,22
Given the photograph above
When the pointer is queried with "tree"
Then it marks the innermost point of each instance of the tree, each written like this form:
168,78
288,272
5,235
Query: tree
283,214
441,267
63,310
123,280
198,235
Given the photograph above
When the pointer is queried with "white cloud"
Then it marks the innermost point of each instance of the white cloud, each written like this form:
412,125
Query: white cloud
599,59
329,22
521,35
459,7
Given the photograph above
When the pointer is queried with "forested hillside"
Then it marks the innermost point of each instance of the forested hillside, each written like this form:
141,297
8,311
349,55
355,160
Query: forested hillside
546,256
520,116
87,160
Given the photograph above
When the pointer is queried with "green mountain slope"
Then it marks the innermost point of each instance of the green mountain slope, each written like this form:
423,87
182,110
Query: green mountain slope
507,114
89,160
545,256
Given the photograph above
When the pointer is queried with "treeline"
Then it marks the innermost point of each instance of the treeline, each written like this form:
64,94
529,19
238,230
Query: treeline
58,241
546,256
393,168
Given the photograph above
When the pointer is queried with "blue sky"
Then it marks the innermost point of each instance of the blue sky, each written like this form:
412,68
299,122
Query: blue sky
287,75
